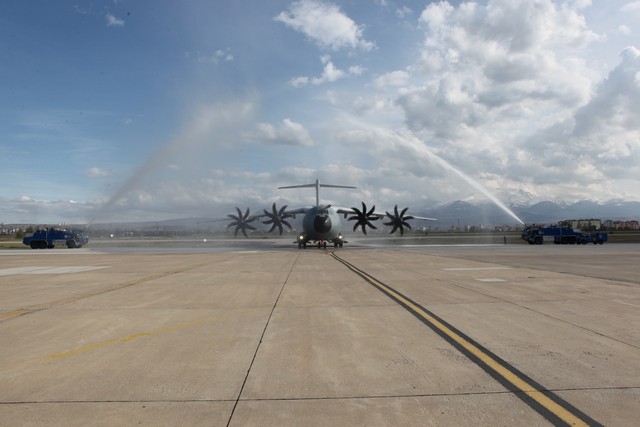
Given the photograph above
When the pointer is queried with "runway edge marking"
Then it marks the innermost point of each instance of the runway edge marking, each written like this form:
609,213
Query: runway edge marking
545,402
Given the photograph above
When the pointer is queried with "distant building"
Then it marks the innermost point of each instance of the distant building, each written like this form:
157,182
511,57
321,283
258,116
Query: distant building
626,225
584,224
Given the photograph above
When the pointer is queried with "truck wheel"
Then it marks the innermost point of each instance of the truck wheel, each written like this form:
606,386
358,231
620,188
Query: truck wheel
51,246
43,244
34,244
71,244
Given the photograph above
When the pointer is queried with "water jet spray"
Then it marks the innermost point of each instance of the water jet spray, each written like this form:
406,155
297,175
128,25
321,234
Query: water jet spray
420,150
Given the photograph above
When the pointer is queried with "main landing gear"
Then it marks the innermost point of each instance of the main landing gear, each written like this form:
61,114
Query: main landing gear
322,244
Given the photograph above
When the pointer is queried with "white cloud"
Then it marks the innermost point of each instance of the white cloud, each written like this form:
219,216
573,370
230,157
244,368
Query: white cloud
631,6
220,55
299,81
489,73
112,21
96,172
511,99
393,79
325,24
403,12
288,132
330,74
624,29
517,94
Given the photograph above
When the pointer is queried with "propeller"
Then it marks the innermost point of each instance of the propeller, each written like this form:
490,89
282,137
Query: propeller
363,218
398,220
241,222
277,218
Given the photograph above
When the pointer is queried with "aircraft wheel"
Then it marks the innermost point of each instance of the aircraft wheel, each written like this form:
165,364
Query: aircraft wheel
324,245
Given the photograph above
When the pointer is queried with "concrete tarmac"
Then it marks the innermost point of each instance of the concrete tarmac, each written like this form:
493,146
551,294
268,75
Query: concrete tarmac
376,336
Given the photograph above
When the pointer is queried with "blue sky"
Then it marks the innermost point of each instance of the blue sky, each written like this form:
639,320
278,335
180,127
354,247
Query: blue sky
146,110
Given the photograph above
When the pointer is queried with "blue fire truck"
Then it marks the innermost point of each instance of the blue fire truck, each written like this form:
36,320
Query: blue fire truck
49,237
562,235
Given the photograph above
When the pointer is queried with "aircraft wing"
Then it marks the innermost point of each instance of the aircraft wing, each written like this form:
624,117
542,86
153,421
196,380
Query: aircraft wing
296,211
363,218
380,215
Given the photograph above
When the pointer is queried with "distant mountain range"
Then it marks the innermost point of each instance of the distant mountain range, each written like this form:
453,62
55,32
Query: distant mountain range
543,212
455,214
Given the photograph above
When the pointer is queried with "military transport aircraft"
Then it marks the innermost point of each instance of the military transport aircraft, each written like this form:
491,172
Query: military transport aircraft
321,223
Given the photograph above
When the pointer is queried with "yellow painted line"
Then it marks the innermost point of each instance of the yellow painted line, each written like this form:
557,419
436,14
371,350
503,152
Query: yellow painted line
103,344
13,314
90,347
496,366
522,385
129,338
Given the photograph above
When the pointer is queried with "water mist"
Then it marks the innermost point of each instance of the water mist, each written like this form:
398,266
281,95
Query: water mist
418,149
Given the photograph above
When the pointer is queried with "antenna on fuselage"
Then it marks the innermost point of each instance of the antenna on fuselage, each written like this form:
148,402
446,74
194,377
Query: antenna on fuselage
317,186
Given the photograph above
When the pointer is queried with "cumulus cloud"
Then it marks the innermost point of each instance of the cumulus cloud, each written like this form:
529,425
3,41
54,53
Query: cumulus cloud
325,24
515,43
42,211
288,132
512,94
597,144
330,73
112,21
394,79
493,79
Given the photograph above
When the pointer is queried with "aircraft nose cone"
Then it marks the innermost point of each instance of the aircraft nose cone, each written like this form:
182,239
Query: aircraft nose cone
322,224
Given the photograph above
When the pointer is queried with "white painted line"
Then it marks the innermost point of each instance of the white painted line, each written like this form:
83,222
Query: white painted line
47,270
491,280
476,268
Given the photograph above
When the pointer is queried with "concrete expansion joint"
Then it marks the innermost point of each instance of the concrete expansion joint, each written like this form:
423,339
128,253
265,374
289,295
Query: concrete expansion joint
548,404
255,354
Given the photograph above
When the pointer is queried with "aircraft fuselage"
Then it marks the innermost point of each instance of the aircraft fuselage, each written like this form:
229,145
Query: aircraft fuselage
321,223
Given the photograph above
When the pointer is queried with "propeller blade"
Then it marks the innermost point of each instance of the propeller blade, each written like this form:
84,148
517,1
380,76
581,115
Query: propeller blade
398,220
363,218
277,218
241,222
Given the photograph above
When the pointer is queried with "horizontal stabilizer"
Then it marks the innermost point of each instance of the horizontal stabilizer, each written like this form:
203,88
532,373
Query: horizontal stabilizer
314,186
317,186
